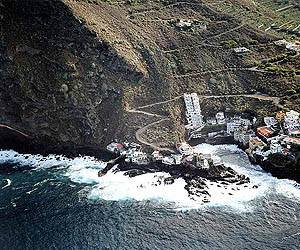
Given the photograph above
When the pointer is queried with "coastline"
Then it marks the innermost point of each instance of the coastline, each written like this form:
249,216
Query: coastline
28,146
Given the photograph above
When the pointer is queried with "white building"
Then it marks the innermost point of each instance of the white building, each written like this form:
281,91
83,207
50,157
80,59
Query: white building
245,122
205,164
275,148
291,120
270,121
177,159
245,138
293,46
139,158
294,132
184,148
232,127
157,156
211,121
193,111
114,147
291,116
168,160
220,118
237,135
241,50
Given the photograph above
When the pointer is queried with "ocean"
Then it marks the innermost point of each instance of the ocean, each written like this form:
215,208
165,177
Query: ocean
55,202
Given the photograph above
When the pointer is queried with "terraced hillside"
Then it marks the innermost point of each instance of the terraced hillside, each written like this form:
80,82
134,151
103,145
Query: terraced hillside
73,70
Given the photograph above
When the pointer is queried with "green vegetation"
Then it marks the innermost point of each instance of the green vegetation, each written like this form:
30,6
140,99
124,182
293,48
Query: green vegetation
228,44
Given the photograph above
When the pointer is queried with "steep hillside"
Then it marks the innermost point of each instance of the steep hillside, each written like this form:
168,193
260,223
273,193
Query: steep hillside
74,73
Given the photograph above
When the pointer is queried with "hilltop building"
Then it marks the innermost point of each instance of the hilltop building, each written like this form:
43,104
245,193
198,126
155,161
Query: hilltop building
241,50
220,117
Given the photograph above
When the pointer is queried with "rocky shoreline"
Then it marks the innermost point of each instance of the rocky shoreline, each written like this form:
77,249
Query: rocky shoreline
291,170
197,179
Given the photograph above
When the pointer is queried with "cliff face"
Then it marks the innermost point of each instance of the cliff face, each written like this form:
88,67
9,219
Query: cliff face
70,70
54,86
63,84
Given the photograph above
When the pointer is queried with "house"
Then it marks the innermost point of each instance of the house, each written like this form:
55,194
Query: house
265,132
233,126
200,26
135,145
275,148
220,118
270,121
255,142
291,140
241,50
211,121
140,158
195,135
294,132
293,46
205,164
181,24
168,160
291,116
282,42
237,135
285,151
157,156
245,122
245,138
114,147
177,158
184,148
291,120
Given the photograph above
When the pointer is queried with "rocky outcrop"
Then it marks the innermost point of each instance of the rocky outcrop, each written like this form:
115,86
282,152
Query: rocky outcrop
196,178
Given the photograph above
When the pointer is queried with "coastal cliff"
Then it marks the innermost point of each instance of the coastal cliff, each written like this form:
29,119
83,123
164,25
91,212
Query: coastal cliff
73,73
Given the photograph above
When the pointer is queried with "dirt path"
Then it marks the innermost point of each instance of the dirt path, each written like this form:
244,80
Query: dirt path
139,133
204,42
15,130
225,32
139,136
254,69
262,97
158,103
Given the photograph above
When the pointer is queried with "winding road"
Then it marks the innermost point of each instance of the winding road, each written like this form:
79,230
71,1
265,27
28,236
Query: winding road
139,133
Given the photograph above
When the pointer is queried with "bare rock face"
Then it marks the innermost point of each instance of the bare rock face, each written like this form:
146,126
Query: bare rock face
52,71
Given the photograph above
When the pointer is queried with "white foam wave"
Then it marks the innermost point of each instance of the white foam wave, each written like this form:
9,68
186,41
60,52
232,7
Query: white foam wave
117,186
8,184
39,161
144,187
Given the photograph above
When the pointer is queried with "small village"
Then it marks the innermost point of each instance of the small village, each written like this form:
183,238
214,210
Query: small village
134,154
278,135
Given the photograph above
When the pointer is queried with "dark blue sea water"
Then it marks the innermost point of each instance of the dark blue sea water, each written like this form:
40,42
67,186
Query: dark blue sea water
50,203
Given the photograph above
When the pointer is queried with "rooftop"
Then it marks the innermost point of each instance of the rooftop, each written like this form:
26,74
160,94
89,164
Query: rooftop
293,140
265,131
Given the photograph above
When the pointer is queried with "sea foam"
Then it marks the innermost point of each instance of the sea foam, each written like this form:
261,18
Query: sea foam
117,186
